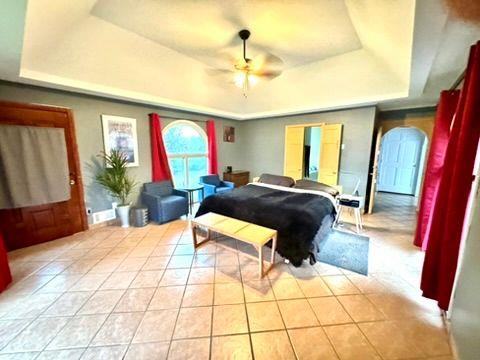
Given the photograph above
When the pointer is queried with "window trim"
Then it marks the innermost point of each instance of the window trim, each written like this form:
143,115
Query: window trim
186,156
188,123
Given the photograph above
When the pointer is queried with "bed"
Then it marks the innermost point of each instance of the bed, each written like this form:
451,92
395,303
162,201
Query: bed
302,217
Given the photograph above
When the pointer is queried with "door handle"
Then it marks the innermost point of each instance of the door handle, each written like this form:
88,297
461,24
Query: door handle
72,182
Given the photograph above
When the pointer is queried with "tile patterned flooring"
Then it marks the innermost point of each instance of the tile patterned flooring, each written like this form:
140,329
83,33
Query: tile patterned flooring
141,293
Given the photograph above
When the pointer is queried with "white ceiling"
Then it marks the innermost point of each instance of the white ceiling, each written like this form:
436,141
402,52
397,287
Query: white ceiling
336,53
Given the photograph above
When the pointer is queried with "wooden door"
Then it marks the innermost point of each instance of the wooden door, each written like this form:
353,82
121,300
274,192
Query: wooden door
330,154
376,157
27,226
399,160
294,142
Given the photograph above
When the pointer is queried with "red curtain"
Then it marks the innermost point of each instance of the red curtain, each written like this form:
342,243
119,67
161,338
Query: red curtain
212,148
442,252
160,167
436,156
5,275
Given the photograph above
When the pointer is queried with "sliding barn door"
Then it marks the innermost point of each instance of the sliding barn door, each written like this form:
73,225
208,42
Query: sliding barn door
32,225
294,142
330,154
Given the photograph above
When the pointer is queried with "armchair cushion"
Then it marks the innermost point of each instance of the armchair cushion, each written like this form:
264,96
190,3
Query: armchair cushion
211,180
224,189
160,188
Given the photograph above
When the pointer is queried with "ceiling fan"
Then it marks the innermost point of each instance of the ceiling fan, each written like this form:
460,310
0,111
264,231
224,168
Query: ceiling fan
246,72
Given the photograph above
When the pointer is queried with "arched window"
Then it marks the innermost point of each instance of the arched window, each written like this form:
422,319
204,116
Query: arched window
186,146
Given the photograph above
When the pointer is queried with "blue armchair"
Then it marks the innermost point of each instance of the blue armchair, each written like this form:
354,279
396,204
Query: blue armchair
213,185
164,202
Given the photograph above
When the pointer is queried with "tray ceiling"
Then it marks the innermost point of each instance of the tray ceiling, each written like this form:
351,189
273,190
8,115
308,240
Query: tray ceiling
336,53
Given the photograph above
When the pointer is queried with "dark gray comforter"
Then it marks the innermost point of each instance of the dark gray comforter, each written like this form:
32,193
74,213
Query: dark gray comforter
301,219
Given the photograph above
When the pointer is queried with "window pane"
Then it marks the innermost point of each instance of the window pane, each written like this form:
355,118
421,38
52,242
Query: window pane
197,166
184,139
177,167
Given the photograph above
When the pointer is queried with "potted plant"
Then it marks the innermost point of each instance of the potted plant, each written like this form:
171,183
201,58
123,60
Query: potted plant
115,180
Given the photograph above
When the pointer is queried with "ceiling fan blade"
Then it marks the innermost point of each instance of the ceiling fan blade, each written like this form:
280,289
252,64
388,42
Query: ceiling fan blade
267,74
267,61
217,72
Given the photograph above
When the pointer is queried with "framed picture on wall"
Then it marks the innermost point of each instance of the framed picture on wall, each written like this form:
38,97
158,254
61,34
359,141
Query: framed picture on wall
229,134
120,133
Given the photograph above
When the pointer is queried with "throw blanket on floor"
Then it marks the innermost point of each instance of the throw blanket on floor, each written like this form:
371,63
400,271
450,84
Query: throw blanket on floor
297,215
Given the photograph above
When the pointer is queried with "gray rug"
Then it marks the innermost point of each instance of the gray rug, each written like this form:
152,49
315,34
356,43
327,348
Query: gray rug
346,250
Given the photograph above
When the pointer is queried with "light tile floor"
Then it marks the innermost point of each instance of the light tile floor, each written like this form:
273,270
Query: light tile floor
141,293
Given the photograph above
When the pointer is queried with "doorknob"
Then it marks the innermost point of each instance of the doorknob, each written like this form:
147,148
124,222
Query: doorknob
72,182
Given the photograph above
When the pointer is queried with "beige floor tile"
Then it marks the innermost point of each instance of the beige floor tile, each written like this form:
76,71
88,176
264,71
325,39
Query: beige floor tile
389,340
167,297
105,352
227,274
118,329
135,300
258,290
60,283
9,329
66,354
311,344
174,277
329,311
156,326
360,308
280,271
272,345
193,322
145,279
350,343
366,284
229,319
191,349
163,250
141,251
156,263
230,293
198,295
36,335
68,304
427,333
396,305
119,280
202,275
180,262
231,347
149,351
286,289
227,258
184,249
306,271
31,306
101,302
201,261
297,313
78,332
314,287
132,264
340,285
264,316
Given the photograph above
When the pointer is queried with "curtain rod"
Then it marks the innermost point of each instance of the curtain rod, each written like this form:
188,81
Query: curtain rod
178,118
459,80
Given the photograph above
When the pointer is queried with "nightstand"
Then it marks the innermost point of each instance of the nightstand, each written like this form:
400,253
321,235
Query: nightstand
238,177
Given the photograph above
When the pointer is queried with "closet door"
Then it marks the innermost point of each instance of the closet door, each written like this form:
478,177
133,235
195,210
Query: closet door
294,140
330,154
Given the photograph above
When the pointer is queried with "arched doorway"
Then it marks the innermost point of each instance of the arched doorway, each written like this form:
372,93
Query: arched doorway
401,161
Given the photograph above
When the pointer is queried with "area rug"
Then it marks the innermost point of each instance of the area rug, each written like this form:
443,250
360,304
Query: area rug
346,250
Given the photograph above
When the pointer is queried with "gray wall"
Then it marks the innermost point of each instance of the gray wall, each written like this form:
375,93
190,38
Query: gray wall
264,143
87,111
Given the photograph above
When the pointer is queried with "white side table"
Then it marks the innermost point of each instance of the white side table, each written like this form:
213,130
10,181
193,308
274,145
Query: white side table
351,202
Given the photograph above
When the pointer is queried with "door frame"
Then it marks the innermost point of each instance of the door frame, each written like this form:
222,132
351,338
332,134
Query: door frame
72,136
422,156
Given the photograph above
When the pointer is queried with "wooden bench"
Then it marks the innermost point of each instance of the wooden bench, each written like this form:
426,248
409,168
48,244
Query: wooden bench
244,231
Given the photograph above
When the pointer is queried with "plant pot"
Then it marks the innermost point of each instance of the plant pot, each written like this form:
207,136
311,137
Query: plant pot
124,214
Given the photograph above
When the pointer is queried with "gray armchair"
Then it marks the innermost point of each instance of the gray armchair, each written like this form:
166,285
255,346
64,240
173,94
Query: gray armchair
164,202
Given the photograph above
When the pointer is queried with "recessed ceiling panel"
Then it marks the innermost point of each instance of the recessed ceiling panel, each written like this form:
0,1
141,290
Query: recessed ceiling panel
299,32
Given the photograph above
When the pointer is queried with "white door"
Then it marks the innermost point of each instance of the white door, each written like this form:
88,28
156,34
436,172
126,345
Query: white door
399,160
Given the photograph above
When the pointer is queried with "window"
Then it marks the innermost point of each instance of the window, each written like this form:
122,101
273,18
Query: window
186,146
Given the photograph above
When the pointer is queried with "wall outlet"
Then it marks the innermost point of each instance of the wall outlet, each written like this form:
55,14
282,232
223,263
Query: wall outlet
89,211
